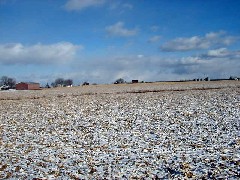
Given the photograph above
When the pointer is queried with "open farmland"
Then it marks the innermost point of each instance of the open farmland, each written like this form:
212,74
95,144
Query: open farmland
150,130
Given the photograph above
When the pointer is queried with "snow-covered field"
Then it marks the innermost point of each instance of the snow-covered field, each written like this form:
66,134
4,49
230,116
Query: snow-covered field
150,130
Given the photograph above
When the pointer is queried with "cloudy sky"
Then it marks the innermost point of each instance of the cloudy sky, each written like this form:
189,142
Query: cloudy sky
102,40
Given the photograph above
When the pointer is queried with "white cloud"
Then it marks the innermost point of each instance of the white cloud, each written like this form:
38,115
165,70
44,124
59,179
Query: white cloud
185,44
218,63
156,68
191,61
118,29
213,35
222,53
218,52
17,53
143,68
154,39
212,39
82,4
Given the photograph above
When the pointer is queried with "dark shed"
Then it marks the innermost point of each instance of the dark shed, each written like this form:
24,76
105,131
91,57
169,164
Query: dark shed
135,81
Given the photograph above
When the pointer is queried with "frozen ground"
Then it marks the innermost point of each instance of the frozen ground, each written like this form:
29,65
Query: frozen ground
159,130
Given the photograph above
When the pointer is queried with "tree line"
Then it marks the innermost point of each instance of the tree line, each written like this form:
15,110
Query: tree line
10,83
62,82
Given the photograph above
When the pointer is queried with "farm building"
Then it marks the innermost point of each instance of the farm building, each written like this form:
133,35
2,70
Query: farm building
135,81
27,86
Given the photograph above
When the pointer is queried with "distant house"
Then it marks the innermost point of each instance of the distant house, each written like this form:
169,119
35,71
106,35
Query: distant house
4,87
27,86
85,84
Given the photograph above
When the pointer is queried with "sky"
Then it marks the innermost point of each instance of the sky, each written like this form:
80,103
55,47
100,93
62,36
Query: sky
100,41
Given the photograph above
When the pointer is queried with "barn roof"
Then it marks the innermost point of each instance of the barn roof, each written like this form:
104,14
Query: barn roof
29,83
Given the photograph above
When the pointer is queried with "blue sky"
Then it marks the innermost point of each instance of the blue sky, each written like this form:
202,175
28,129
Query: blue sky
102,40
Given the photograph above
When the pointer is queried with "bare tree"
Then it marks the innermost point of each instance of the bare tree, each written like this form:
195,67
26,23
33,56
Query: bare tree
7,81
68,82
58,82
4,80
62,82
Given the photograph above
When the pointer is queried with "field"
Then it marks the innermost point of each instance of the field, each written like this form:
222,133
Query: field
131,131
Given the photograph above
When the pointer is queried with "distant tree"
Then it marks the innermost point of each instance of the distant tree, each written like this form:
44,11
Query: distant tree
47,86
4,80
58,82
7,81
232,78
68,82
119,81
62,82
206,79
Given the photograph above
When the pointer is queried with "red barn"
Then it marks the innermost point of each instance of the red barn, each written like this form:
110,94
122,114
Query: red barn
27,86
